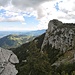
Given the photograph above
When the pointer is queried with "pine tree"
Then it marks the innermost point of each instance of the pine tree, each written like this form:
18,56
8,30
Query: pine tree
73,73
66,74
63,73
58,73
37,63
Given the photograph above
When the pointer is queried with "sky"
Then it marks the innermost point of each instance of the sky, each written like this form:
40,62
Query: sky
28,15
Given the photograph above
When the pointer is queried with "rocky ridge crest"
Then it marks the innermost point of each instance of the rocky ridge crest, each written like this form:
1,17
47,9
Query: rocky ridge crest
60,35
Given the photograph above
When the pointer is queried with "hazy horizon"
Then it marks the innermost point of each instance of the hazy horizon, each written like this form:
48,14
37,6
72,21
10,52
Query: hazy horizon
20,30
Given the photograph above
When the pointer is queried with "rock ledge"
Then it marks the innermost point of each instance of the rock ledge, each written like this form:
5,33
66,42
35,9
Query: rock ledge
7,61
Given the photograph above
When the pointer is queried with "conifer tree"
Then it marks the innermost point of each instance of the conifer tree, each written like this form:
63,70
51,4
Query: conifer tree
73,73
63,73
37,63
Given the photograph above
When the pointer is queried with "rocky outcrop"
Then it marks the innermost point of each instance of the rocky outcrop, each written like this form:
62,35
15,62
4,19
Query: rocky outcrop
7,61
60,35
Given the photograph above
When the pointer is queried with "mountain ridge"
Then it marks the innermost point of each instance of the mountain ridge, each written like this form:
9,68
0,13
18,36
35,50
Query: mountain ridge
5,33
58,34
18,38
14,40
59,44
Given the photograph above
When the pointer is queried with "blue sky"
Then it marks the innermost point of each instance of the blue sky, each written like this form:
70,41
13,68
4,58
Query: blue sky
29,24
27,15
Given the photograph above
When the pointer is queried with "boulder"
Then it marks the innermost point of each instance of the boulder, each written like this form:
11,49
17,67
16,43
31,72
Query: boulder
7,61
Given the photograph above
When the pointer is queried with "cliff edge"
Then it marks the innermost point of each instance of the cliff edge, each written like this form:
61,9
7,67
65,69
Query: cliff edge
60,35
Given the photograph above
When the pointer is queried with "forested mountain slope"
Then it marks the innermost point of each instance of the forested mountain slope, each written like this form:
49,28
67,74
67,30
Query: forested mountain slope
52,53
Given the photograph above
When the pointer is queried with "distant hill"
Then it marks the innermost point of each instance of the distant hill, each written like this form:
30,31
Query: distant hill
36,33
13,41
33,33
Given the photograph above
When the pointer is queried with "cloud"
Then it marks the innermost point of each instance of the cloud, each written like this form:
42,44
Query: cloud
64,14
67,7
65,11
4,2
23,4
60,9
28,3
9,16
15,19
31,6
28,7
43,10
12,19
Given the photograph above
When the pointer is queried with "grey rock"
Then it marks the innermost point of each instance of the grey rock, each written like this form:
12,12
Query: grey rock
13,59
7,61
60,35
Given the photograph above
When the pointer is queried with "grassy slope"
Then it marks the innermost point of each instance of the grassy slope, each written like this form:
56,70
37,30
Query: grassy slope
21,51
12,41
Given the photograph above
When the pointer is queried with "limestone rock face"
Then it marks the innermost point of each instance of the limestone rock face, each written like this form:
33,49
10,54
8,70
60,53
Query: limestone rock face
7,61
60,35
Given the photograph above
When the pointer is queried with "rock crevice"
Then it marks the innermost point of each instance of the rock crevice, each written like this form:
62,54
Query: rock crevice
7,61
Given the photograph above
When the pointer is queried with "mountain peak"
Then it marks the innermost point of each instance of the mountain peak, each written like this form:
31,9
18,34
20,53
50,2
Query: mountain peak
60,35
55,22
58,42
